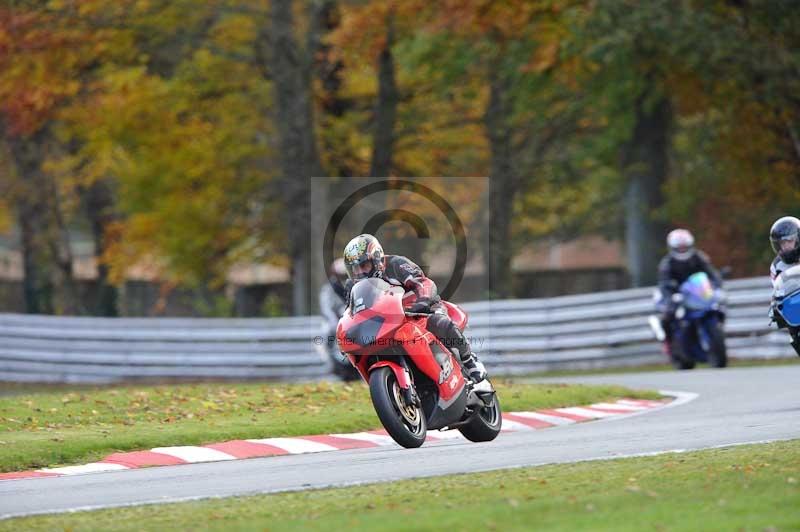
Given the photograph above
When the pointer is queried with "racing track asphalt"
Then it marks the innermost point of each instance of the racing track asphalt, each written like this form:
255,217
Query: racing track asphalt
734,406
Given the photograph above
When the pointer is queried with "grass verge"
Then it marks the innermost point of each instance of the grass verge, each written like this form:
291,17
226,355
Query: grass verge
85,424
754,487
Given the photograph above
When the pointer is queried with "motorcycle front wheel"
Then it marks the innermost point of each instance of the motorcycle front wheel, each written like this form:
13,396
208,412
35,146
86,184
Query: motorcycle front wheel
718,355
405,423
678,357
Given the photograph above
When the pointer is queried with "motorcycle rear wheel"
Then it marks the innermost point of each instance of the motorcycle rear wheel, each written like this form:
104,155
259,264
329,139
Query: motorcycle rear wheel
485,424
405,423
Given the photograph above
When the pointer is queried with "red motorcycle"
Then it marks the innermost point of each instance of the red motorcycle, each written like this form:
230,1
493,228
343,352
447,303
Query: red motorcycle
415,382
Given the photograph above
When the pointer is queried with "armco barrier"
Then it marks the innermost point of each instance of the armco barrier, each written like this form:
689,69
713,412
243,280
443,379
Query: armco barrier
604,329
608,329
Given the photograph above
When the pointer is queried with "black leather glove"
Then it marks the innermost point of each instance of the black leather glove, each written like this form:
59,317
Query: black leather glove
421,306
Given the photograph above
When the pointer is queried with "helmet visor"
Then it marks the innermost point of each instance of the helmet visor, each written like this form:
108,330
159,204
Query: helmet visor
360,270
682,252
784,244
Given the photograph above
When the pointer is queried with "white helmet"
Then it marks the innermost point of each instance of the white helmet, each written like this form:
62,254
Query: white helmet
681,244
338,269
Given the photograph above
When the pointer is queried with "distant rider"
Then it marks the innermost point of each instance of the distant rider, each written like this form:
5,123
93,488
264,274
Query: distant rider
364,258
785,239
332,295
682,261
332,304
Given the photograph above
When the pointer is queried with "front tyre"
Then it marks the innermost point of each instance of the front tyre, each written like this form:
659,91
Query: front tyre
795,334
485,424
718,355
405,423
678,357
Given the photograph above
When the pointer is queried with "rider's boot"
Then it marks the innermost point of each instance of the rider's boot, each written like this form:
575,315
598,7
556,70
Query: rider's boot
454,339
475,368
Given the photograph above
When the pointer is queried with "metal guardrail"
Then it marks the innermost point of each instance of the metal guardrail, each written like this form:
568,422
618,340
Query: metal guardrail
603,329
609,329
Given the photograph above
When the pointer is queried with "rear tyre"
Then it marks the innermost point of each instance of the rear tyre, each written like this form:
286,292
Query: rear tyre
718,357
404,423
485,424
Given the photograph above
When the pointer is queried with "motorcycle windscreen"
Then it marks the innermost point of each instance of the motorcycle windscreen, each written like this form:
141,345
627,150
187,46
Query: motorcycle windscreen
790,309
788,282
376,311
698,292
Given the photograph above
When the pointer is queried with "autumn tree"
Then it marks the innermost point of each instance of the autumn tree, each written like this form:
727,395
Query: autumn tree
738,144
47,51
688,91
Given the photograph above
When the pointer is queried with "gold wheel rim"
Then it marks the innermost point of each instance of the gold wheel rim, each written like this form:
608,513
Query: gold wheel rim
409,412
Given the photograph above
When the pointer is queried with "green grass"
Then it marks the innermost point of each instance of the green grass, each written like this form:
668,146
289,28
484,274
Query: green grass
754,487
80,425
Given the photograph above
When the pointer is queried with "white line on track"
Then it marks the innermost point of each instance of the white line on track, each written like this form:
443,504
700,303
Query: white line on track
547,418
585,412
377,439
296,445
192,454
619,406
95,467
515,426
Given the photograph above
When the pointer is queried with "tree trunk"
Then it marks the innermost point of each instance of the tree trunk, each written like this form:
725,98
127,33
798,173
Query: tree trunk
329,73
49,286
65,296
502,187
386,107
290,68
645,162
36,285
100,211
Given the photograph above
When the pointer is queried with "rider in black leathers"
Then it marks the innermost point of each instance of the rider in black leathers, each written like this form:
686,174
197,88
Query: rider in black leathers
784,237
675,268
364,257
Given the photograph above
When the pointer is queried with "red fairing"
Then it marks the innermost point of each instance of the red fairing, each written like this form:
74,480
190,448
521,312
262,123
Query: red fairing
417,341
382,324
456,314
403,379
388,311
423,287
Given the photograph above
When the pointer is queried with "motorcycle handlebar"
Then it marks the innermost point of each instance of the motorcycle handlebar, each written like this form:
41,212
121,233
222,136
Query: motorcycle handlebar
418,314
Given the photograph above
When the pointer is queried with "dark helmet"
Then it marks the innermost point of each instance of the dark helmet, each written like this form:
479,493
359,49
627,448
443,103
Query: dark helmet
785,238
363,257
681,244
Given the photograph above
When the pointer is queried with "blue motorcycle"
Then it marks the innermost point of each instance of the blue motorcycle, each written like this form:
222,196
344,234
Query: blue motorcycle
785,307
698,328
